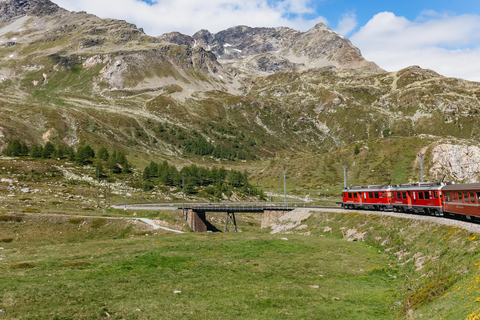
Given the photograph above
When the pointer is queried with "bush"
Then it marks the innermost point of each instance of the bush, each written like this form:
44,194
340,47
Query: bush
10,218
23,265
97,223
76,220
7,240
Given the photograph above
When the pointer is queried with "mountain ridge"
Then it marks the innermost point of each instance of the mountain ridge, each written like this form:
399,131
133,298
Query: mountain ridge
318,47
73,78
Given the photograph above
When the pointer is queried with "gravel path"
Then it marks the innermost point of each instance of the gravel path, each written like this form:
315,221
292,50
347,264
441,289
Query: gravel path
144,220
470,226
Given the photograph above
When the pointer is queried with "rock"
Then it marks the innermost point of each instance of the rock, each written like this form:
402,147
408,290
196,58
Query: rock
460,161
2,311
6,180
26,190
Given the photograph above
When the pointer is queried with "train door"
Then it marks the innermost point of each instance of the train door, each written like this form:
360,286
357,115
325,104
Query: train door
409,200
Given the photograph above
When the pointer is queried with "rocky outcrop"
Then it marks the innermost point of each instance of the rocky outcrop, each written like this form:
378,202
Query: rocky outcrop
318,47
11,9
462,162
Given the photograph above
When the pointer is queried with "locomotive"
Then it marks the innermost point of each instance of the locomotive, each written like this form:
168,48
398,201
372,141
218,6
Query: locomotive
437,198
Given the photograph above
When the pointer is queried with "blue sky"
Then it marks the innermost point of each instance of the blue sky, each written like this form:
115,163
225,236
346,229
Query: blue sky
440,35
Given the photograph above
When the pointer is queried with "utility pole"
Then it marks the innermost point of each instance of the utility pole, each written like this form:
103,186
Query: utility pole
98,189
421,166
284,188
345,176
183,195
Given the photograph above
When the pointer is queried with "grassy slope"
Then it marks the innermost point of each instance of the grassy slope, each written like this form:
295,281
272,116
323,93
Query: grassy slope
438,265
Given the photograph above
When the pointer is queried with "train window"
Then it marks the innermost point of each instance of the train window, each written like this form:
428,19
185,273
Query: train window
389,194
447,196
465,196
355,195
472,197
376,195
427,195
435,195
399,195
460,197
478,197
420,196
365,195
414,195
370,195
350,195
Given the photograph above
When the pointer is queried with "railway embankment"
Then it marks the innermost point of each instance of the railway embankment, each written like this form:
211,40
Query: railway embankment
439,258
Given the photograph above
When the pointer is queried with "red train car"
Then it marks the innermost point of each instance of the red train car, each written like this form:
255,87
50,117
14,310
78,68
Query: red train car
367,197
462,199
418,198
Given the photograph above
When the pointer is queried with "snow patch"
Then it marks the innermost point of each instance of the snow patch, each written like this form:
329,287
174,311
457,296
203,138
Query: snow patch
226,45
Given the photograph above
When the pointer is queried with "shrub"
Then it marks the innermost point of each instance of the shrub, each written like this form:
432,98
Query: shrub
23,265
76,220
7,240
97,223
10,218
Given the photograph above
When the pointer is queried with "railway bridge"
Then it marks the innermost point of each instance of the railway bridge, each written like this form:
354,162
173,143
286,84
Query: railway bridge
197,220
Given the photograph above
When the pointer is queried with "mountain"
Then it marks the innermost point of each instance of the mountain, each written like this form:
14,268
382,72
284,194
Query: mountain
263,48
242,97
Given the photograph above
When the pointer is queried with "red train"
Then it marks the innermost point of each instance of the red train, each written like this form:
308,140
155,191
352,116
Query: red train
436,198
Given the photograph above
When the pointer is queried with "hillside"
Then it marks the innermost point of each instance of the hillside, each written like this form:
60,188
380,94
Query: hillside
73,78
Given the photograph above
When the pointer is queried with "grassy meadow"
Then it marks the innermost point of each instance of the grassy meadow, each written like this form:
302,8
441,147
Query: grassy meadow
116,269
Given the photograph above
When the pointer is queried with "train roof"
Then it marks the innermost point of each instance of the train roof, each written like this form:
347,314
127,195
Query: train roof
462,186
368,188
419,186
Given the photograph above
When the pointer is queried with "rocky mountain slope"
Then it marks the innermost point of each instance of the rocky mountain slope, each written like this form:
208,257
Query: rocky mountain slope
243,94
274,49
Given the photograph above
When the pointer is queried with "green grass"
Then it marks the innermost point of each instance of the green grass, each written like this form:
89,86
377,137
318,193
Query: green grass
228,276
439,265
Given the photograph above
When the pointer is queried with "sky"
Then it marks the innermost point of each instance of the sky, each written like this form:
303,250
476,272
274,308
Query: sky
442,35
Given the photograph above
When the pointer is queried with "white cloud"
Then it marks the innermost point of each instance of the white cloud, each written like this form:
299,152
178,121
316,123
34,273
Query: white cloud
450,45
347,24
189,16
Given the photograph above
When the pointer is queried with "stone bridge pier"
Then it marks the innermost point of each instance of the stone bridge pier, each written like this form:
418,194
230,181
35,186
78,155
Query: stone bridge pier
197,220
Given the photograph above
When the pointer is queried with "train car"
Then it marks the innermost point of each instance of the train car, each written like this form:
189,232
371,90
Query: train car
351,198
418,198
367,197
462,200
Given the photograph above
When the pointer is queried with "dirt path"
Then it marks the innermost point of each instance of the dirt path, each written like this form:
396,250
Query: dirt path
144,220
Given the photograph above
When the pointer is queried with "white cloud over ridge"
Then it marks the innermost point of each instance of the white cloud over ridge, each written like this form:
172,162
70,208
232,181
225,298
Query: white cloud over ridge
449,45
347,24
189,16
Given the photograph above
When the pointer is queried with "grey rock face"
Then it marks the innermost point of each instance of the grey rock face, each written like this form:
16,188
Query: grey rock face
318,47
10,9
